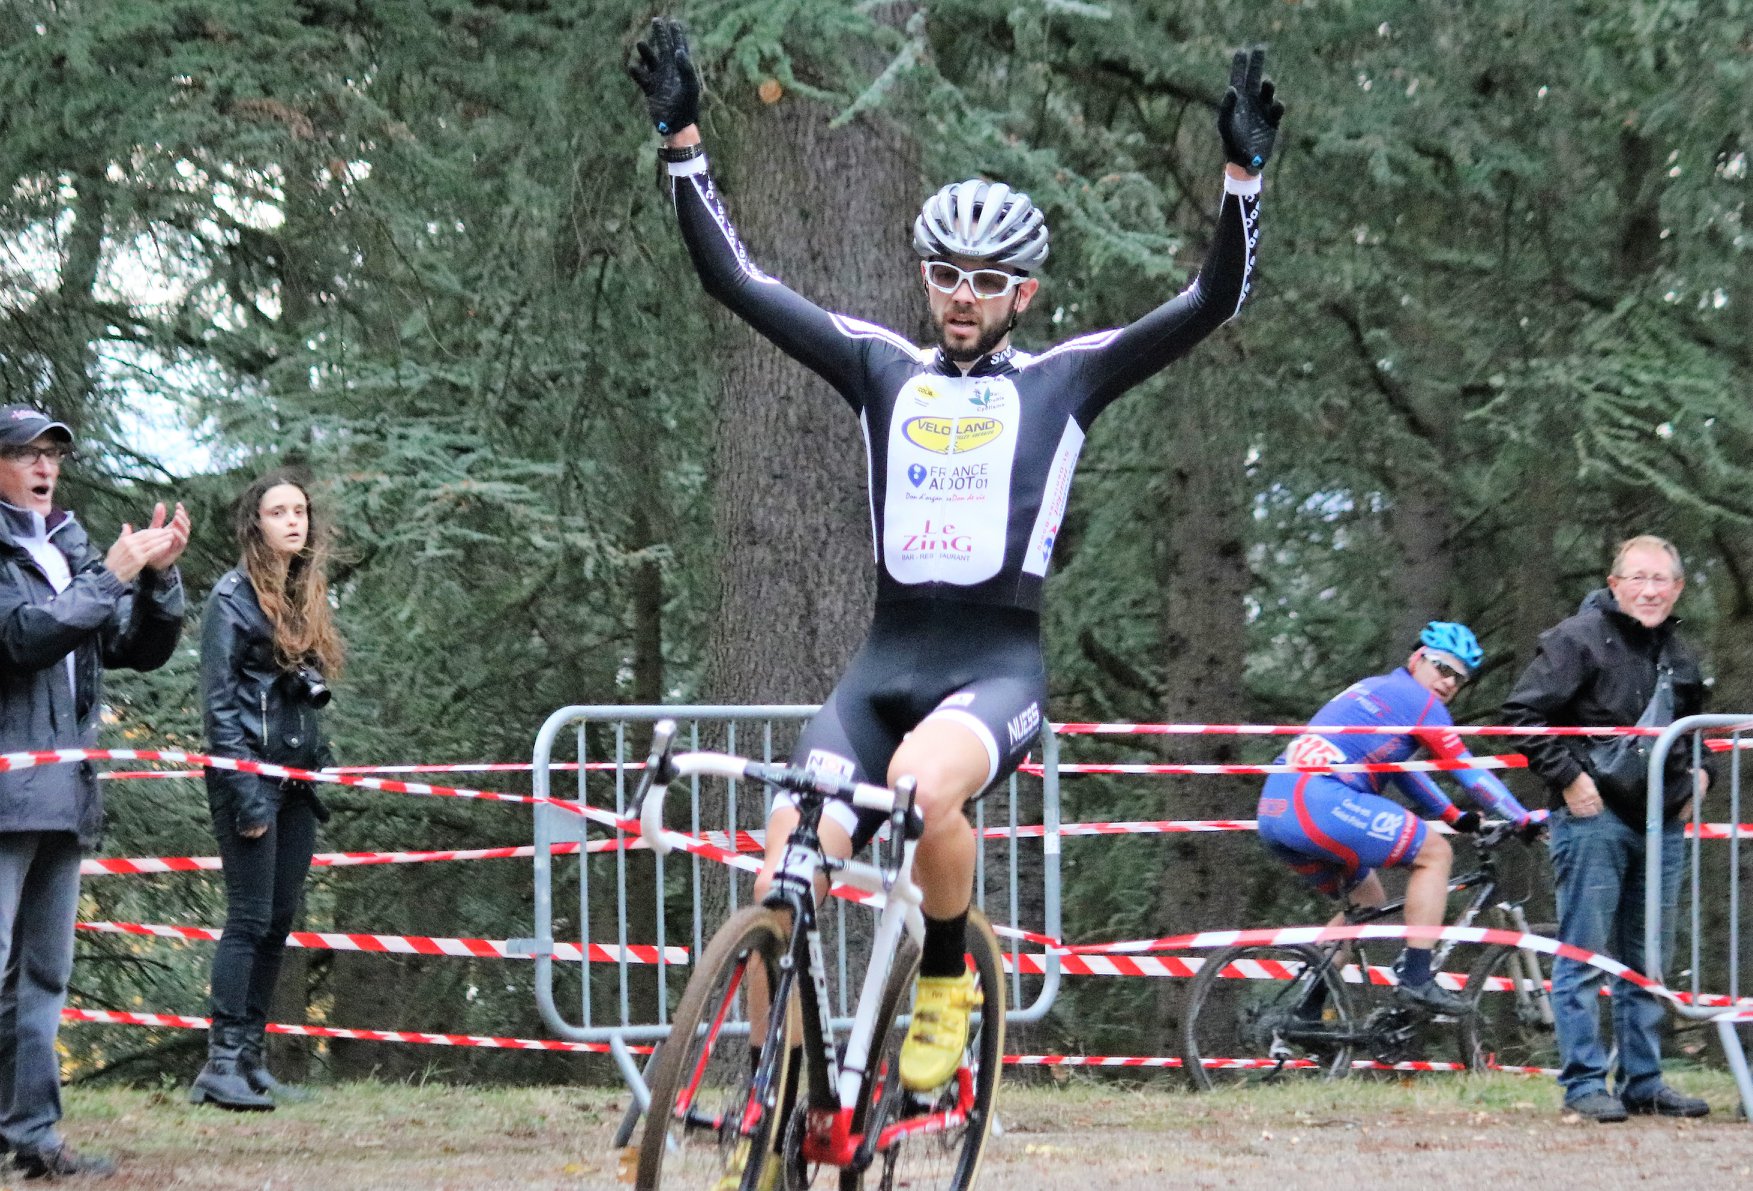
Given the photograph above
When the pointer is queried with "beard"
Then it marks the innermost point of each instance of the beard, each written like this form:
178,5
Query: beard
989,338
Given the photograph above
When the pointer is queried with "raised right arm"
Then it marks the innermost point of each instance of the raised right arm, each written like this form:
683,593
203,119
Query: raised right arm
831,345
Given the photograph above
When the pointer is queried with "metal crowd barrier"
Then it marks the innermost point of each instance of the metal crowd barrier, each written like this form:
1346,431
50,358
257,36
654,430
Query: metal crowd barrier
1724,1018
617,902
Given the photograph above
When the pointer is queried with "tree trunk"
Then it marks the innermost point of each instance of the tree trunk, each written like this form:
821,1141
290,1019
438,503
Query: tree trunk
825,210
1204,576
1421,525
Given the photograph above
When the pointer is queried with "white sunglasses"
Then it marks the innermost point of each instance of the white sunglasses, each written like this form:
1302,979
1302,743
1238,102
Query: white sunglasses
985,283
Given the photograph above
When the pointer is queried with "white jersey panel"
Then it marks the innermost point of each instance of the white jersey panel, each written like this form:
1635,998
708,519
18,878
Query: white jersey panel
952,443
1053,499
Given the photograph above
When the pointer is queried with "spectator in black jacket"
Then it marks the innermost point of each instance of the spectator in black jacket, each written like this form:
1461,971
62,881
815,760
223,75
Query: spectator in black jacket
66,613
1617,662
269,646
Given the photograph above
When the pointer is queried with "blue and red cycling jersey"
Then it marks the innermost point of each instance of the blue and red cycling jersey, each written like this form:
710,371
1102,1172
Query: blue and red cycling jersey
1398,699
1335,828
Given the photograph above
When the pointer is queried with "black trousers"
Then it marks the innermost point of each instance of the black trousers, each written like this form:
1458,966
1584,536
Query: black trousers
264,886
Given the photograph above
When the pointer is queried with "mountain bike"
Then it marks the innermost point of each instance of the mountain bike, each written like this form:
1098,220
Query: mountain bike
1268,1012
716,1103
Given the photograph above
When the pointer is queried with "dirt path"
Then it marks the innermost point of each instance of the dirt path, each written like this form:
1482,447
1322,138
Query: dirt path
1080,1137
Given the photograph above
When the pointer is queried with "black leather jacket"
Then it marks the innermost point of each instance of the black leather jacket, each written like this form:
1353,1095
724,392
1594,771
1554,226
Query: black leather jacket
252,708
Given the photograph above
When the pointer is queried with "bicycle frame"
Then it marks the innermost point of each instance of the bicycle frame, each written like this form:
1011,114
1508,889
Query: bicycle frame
836,1083
1533,1000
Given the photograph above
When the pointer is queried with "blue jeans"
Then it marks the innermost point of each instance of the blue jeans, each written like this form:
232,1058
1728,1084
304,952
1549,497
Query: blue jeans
1599,867
39,903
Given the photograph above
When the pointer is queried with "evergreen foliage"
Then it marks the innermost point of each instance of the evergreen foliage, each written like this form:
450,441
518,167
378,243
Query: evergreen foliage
1501,321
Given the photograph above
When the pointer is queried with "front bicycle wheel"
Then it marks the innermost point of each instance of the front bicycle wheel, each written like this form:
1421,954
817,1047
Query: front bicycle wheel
712,1113
1511,1022
936,1140
1267,1012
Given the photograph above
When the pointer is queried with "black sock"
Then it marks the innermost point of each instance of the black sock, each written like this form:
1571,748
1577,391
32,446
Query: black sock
1414,966
946,946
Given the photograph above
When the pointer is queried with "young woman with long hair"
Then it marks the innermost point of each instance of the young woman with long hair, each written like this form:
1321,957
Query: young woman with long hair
269,647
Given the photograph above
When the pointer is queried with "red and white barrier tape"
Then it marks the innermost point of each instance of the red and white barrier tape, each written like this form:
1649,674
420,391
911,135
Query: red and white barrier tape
1162,1061
1068,769
746,841
1293,935
627,826
598,953
1124,729
182,1022
119,866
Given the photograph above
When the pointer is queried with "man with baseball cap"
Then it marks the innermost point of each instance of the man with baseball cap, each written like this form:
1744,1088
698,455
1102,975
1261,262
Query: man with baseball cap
66,613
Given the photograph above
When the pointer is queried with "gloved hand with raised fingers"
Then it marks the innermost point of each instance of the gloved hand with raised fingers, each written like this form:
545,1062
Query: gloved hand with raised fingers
665,72
1248,116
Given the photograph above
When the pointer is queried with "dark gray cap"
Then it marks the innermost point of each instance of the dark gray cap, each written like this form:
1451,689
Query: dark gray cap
20,424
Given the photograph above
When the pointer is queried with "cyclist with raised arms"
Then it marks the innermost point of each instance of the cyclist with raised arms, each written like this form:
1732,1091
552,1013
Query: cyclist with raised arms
1336,830
971,446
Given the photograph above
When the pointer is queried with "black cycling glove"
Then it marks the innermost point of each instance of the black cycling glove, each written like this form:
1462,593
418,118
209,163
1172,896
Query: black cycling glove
665,73
1248,116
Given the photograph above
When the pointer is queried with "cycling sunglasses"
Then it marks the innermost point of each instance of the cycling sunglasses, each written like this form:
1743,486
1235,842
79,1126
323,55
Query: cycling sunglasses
1444,670
986,283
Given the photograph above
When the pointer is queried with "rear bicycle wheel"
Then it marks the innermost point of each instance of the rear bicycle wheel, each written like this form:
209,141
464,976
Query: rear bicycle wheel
1243,1024
708,1115
1510,1025
938,1138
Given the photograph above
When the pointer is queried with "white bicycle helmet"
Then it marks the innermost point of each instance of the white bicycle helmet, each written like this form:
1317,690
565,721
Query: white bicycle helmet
985,221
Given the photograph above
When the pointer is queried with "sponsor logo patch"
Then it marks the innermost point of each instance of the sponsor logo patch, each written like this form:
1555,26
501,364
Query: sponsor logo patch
951,436
916,474
830,764
1024,725
959,699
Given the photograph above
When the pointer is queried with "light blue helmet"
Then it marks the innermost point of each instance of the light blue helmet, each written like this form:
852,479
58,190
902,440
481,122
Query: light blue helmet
1454,639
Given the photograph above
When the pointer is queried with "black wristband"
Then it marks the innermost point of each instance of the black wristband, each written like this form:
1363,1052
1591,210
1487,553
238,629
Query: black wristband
682,153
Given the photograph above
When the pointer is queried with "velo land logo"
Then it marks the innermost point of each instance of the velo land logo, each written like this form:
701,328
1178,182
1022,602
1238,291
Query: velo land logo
951,436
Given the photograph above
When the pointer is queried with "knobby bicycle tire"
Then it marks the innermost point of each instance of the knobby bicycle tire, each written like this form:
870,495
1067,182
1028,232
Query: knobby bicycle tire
1233,1018
1503,1030
948,1160
694,1149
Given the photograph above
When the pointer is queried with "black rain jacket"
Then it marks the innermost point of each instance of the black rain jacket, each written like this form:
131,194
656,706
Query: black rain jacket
103,623
253,709
1598,668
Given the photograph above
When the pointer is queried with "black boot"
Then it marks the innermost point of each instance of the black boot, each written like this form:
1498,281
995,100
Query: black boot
222,1080
251,1060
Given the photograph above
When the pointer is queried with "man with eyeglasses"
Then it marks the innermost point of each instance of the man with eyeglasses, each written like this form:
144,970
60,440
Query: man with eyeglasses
66,613
1618,661
1335,830
971,446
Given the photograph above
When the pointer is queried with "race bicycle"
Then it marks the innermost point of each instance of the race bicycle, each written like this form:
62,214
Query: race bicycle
717,1104
1259,1013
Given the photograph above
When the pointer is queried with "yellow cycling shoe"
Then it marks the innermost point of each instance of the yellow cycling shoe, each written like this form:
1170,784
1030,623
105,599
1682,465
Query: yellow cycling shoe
939,1033
732,1179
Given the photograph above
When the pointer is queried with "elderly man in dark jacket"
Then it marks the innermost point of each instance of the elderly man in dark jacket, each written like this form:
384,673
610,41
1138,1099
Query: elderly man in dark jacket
66,613
1617,662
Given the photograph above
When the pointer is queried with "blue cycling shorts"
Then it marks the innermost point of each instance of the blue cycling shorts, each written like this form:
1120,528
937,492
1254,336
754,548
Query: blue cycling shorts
1332,835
